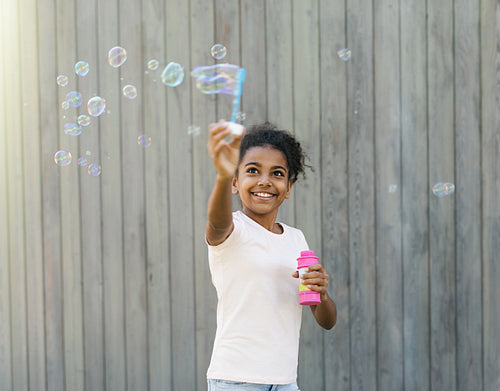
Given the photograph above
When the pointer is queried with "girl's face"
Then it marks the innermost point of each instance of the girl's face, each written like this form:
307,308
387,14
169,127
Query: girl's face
262,182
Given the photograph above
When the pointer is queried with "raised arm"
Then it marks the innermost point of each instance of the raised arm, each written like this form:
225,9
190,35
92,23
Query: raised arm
225,157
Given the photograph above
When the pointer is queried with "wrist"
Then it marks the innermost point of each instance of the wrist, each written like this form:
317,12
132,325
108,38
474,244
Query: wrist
223,179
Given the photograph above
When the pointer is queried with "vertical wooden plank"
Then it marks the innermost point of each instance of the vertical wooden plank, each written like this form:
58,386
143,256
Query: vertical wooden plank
468,199
51,199
279,60
306,108
253,46
5,324
109,127
15,194
203,113
32,194
157,197
179,157
389,275
70,217
490,186
91,268
133,200
227,32
361,196
441,169
415,204
335,226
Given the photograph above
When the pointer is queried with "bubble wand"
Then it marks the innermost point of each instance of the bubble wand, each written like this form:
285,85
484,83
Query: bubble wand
222,79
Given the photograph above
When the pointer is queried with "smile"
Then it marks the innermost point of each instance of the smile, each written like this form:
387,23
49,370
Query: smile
263,195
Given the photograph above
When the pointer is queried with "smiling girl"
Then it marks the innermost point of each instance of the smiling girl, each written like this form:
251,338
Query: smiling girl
253,261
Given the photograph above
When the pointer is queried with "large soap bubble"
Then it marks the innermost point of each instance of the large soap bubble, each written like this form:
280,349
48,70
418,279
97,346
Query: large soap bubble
96,106
117,56
218,51
82,68
173,74
62,158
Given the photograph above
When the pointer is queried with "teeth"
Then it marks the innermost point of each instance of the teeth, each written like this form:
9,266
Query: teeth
263,195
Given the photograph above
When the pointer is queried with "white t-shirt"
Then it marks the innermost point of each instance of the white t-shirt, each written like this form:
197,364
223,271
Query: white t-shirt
258,310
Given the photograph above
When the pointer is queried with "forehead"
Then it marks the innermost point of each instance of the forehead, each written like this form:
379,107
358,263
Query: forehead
265,155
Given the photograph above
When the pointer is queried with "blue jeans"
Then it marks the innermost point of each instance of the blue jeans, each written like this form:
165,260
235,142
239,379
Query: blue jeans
226,385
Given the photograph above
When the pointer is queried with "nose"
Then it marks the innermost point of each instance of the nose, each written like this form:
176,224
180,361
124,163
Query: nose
264,181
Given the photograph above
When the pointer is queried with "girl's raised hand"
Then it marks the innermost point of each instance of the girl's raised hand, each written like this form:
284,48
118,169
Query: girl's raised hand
224,154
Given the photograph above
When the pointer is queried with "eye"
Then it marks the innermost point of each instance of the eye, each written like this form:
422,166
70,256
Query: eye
252,170
279,173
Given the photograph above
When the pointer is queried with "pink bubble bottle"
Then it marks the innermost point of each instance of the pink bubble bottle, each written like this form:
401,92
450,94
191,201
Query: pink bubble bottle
307,296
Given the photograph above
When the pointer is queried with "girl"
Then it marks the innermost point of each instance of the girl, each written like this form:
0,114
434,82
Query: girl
253,260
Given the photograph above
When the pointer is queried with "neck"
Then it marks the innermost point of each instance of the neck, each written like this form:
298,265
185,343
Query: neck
267,221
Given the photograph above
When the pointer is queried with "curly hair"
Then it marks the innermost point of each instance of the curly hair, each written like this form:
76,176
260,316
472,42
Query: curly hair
267,134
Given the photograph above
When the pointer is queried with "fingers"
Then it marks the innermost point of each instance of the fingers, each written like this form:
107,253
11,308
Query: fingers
316,278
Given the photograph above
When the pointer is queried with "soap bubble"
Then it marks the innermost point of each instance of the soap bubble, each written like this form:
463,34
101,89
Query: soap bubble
94,169
218,51
96,106
443,189
240,117
62,158
153,64
74,98
218,79
117,56
193,130
82,162
83,120
172,75
62,80
392,188
82,68
65,105
143,140
344,54
72,129
130,91
88,153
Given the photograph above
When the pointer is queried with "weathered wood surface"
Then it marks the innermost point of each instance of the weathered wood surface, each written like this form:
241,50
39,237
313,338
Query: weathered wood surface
104,281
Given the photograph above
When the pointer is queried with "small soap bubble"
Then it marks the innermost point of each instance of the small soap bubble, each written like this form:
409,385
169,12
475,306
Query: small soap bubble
65,105
129,91
88,153
83,120
153,64
172,75
74,98
62,80
96,106
344,54
143,140
62,158
94,169
82,162
193,130
218,51
72,129
82,68
240,117
443,189
117,56
392,188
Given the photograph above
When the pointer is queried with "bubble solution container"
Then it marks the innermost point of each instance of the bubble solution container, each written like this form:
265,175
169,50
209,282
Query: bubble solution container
307,296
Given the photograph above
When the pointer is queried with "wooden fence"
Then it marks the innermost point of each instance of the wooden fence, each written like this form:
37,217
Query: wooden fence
104,280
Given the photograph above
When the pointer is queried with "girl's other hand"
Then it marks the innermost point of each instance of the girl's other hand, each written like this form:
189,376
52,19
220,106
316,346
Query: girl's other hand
316,279
224,154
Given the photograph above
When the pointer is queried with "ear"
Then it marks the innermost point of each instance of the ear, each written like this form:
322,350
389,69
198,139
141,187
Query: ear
234,185
289,187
